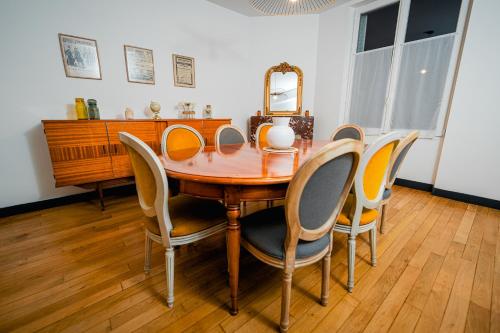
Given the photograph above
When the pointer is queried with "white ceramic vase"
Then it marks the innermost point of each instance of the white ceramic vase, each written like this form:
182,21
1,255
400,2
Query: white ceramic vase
280,136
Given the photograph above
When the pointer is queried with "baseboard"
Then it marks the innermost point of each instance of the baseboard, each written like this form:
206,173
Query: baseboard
467,198
80,197
413,184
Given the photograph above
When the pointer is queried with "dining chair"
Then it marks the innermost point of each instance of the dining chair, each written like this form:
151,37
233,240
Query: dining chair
228,134
181,137
168,221
300,232
396,160
360,211
261,134
348,131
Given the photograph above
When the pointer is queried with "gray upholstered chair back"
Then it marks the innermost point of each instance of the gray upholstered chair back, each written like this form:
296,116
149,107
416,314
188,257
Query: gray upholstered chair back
230,135
319,189
322,192
399,156
350,131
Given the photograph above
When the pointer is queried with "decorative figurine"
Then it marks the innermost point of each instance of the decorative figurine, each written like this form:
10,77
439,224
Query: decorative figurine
155,108
207,112
129,113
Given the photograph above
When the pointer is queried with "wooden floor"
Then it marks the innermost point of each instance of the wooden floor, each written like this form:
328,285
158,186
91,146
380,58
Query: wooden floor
77,269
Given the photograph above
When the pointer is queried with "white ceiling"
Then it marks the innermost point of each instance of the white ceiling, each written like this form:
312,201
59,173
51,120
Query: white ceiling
244,7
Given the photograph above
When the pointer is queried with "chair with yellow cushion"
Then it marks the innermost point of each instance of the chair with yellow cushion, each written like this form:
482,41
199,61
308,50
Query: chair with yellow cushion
261,134
181,139
360,211
169,221
397,159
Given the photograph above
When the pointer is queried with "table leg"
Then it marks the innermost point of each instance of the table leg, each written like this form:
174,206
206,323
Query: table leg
233,250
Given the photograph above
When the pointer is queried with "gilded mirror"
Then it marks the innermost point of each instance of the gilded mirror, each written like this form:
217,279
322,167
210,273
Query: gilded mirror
283,90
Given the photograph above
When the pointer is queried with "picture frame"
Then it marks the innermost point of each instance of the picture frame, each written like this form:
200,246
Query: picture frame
139,63
184,71
80,57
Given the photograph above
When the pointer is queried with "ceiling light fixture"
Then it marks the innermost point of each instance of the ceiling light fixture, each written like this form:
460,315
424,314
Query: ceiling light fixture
290,7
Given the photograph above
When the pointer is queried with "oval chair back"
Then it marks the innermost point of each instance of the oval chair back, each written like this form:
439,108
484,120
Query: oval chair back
371,178
398,157
261,134
349,131
317,193
181,137
151,182
229,134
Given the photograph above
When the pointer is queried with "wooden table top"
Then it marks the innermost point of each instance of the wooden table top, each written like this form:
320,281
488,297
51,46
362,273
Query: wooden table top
239,164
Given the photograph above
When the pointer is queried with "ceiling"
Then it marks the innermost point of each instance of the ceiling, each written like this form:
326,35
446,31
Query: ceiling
244,7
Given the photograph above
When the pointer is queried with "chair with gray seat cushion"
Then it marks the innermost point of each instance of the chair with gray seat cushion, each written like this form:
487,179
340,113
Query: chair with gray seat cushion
396,160
229,134
349,131
300,232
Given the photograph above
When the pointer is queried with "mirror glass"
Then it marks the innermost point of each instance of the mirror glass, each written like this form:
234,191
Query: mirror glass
283,91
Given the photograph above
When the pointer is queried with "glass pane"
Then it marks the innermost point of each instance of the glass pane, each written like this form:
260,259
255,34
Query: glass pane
430,18
378,28
420,86
369,87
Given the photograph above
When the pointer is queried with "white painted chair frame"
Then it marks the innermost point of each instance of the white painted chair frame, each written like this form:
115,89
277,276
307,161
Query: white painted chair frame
363,202
359,129
257,133
408,140
160,211
169,129
222,128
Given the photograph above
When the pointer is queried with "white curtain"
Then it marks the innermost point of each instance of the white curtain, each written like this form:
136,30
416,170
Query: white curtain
421,82
369,87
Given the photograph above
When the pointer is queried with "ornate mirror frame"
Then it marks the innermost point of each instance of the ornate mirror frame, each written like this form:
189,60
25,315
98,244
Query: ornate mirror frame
284,67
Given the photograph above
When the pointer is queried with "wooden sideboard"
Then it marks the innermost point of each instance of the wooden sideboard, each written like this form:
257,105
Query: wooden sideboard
88,152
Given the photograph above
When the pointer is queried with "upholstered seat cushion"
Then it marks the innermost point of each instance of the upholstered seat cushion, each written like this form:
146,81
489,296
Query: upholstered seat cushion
387,194
190,215
266,231
367,216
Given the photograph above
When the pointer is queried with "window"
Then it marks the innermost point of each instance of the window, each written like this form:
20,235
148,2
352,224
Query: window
403,64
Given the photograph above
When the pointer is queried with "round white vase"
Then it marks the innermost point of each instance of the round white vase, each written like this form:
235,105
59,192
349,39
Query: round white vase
280,135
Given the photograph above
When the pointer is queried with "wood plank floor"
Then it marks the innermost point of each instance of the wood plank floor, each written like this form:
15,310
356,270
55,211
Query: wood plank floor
77,269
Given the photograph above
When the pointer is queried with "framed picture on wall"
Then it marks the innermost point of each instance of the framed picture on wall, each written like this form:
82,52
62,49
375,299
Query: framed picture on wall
80,57
183,71
139,63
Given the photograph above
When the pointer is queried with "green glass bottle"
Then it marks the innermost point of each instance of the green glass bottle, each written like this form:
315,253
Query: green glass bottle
93,110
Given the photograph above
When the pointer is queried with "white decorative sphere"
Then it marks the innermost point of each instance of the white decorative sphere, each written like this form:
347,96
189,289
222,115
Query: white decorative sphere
280,135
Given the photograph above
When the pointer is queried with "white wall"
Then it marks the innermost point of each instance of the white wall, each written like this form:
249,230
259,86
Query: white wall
470,159
232,52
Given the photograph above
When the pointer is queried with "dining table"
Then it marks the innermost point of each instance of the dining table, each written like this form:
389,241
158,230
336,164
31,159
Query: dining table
233,174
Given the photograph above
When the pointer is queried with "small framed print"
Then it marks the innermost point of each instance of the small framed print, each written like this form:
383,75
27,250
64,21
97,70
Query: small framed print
80,57
183,71
140,66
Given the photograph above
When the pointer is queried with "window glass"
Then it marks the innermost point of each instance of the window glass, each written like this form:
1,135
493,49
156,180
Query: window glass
430,18
377,28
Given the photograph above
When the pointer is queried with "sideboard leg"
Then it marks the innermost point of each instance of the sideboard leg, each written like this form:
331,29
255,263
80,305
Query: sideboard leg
98,188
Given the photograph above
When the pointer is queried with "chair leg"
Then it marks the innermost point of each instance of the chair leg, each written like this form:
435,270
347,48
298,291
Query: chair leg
269,203
351,242
285,300
325,282
382,218
147,254
169,258
373,246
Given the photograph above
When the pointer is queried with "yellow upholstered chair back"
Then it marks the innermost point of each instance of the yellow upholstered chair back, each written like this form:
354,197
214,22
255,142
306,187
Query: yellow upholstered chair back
261,134
372,174
181,137
151,182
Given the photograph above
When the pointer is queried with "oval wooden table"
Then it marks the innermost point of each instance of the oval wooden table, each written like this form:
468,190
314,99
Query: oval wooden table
236,173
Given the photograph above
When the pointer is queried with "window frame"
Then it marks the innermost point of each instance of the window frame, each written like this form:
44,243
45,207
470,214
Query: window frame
394,71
